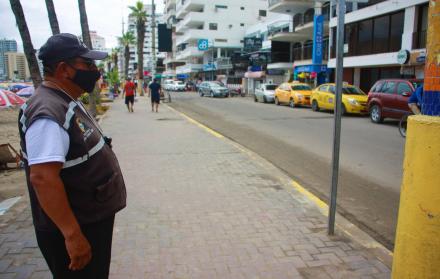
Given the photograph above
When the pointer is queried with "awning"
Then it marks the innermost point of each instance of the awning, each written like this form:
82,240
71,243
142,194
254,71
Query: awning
255,74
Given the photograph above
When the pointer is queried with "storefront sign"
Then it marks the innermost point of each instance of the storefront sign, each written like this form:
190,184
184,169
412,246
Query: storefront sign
403,56
209,67
318,33
252,44
311,68
203,44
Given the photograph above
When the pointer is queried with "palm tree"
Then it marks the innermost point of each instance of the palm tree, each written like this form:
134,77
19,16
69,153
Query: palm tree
88,42
114,56
52,17
139,13
126,40
28,47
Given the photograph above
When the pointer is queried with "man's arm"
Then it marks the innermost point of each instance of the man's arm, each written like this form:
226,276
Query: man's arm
52,197
414,108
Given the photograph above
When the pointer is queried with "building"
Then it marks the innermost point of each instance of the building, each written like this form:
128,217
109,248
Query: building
383,39
302,44
153,60
98,42
16,66
5,46
209,33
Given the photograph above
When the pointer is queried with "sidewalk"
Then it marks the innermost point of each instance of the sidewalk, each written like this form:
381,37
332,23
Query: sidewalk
199,206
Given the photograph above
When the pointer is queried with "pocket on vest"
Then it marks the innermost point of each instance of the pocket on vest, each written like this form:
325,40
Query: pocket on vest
107,190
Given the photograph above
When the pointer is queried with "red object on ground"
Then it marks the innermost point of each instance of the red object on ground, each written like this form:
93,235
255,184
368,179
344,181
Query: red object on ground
9,99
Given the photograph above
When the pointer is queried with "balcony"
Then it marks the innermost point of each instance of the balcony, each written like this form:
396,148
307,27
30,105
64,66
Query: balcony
191,35
193,20
170,4
290,6
223,63
189,68
183,7
189,52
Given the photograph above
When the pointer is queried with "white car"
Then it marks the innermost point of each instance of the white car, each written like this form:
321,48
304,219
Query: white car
265,93
168,84
178,85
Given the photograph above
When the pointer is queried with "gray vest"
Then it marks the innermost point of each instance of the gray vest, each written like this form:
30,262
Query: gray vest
91,174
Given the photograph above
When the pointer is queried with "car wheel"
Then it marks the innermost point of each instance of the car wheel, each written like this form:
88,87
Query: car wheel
255,99
277,102
264,99
291,103
200,93
315,106
376,114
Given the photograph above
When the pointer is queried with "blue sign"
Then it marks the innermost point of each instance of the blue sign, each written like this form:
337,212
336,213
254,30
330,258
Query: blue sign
311,68
209,67
203,44
318,33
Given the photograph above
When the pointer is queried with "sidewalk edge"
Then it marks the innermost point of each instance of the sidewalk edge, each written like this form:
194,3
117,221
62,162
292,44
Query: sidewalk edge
343,226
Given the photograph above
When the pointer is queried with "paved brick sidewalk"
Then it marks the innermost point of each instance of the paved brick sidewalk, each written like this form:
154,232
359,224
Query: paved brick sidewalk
199,207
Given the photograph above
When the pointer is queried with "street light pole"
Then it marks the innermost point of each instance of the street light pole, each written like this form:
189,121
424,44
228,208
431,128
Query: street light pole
153,39
338,114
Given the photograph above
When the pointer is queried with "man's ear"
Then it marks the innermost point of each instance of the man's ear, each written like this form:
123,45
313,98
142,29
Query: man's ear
64,70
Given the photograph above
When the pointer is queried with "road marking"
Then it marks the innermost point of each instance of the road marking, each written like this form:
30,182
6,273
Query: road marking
209,130
345,226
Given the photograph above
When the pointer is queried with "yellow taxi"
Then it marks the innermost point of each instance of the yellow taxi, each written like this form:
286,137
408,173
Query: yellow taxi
354,100
293,94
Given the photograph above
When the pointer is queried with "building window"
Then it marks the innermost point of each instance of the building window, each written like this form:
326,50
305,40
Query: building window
308,50
242,8
213,26
381,34
397,21
221,40
262,13
221,7
419,37
365,36
241,24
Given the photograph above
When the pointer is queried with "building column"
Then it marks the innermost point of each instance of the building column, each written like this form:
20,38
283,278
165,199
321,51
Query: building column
409,27
357,77
416,254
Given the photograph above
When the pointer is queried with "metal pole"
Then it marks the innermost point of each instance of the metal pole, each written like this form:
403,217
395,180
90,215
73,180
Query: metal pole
153,39
338,114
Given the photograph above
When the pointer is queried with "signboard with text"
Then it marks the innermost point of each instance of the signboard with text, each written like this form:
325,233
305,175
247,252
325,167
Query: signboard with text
318,33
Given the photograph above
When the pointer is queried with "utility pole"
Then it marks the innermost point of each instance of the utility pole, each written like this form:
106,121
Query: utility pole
153,38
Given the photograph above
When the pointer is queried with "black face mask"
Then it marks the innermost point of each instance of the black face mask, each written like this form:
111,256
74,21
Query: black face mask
86,79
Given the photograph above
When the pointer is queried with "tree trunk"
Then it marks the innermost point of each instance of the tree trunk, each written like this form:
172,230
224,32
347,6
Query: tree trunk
127,60
140,49
52,17
88,42
28,47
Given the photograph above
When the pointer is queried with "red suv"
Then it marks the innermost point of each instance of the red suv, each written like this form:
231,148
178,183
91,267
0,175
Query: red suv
389,98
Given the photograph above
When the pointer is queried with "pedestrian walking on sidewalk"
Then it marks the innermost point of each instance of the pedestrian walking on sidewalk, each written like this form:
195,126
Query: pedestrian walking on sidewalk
74,180
155,91
129,92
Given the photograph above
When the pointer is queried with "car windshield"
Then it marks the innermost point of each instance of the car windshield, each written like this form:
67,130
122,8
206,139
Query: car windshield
301,87
213,84
271,87
179,82
352,90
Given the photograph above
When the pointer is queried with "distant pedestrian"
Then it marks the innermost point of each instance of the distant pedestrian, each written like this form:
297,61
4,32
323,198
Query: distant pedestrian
129,91
74,180
155,91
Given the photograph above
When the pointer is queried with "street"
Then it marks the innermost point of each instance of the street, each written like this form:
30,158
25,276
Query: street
299,141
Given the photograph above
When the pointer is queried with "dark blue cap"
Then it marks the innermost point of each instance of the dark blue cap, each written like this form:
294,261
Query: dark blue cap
66,46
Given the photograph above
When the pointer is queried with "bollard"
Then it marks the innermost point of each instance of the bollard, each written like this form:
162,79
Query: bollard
417,249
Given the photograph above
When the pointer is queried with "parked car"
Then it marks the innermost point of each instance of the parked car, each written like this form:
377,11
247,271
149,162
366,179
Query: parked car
178,85
293,93
265,93
354,100
168,84
388,98
212,89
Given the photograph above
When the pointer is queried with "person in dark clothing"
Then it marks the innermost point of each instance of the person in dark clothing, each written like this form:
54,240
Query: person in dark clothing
155,91
74,180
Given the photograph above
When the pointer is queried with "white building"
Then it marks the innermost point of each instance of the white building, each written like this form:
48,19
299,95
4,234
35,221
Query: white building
216,26
148,42
171,62
378,35
98,42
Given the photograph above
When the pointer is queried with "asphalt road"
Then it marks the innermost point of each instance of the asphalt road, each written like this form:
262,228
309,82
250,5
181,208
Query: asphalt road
299,141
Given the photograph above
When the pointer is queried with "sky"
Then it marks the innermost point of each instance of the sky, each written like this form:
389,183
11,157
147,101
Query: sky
104,16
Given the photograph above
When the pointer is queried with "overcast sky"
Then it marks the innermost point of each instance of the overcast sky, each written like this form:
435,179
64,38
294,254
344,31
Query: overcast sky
105,16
